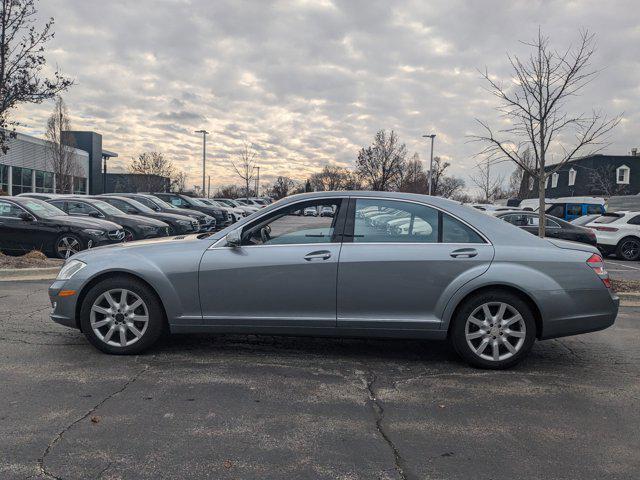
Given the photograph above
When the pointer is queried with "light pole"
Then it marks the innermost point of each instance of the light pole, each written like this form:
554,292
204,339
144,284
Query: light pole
204,155
432,136
258,182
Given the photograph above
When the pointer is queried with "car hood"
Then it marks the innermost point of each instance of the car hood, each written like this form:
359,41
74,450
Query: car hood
84,222
573,245
140,246
173,216
185,211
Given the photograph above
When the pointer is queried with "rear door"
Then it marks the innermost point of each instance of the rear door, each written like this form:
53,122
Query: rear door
398,271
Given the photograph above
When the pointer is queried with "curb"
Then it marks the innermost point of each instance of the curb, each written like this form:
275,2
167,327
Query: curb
631,299
18,274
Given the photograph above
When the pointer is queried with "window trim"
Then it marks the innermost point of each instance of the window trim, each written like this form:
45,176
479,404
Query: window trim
349,224
573,173
626,175
554,179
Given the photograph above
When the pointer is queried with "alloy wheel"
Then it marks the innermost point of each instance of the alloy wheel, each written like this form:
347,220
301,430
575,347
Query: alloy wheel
68,246
128,235
119,317
495,331
630,249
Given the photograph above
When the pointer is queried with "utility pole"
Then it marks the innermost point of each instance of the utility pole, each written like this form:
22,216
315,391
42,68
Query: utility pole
209,187
432,136
258,182
204,155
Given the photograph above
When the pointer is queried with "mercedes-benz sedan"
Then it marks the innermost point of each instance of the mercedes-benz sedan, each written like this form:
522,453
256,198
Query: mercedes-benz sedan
446,272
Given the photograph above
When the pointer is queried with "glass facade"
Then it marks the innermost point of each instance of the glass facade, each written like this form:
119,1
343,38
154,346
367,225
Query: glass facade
79,185
4,180
21,180
44,182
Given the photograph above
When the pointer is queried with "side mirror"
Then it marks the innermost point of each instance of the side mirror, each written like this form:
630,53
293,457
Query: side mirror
132,211
233,238
27,217
96,215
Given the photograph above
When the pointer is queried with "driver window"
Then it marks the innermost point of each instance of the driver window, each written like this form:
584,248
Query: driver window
79,208
308,222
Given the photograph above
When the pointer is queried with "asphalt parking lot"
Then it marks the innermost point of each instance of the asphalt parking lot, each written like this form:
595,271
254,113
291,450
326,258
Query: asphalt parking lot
243,407
622,269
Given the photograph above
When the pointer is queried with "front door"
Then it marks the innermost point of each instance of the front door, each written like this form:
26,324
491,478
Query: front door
284,273
18,234
402,264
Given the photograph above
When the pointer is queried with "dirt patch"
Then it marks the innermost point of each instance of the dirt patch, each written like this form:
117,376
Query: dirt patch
34,259
625,286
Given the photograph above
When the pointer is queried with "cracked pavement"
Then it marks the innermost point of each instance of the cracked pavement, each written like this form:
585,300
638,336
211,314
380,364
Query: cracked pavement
245,407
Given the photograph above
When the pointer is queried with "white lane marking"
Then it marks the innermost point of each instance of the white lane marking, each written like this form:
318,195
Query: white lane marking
623,265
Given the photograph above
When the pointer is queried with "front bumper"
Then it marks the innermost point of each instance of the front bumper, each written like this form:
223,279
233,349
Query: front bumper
64,308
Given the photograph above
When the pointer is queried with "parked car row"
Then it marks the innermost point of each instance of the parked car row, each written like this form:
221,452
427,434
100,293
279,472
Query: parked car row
62,225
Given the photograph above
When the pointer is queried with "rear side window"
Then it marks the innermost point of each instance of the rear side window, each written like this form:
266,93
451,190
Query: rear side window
635,220
389,221
575,210
556,211
10,210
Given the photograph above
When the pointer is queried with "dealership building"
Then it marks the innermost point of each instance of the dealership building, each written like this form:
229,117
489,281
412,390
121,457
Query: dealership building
28,166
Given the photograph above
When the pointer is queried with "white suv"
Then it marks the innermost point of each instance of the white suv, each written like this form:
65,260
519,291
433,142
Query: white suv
618,233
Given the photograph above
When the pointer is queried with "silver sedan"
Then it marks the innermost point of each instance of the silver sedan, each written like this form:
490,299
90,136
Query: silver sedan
425,268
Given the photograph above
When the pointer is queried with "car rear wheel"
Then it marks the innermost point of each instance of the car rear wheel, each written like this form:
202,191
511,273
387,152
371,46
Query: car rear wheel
493,330
122,316
68,244
628,248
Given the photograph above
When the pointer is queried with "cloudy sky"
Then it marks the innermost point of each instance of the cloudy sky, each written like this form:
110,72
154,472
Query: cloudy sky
309,82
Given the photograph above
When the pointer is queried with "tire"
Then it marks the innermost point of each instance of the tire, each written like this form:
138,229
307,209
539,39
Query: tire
129,235
97,316
628,249
67,245
483,329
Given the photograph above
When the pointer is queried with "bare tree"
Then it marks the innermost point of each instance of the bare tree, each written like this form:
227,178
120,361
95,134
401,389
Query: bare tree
245,167
179,182
330,178
152,169
282,187
21,63
380,164
412,178
450,187
602,181
490,187
535,105
61,155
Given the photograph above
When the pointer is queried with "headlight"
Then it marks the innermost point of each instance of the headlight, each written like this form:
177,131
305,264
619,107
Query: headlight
95,233
69,269
184,223
218,212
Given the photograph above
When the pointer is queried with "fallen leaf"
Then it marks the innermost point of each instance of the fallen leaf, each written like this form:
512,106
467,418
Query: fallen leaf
95,419
227,464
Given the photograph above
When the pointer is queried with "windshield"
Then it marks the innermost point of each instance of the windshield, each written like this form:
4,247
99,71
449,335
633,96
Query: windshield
608,218
139,206
42,209
231,203
161,203
106,207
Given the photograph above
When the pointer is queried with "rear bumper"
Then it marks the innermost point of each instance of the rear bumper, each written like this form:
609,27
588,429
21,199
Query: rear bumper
587,311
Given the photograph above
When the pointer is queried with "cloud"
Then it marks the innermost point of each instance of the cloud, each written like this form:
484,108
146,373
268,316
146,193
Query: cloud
310,82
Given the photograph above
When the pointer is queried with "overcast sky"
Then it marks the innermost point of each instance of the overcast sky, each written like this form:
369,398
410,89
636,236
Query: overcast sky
309,82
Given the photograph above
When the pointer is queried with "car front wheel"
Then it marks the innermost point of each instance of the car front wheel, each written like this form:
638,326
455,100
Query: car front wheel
68,244
493,330
122,316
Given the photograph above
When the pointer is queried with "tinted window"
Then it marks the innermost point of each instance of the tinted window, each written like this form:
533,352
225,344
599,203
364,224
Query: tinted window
295,224
80,208
147,203
607,218
120,205
575,210
392,221
454,231
9,210
556,211
635,220
593,209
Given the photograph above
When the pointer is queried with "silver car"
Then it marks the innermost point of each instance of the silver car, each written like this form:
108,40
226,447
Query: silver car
447,271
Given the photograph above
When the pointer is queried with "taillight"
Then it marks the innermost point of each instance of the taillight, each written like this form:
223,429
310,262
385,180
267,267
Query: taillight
605,229
596,262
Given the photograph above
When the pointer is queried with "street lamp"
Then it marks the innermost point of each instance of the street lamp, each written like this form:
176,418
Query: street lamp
432,136
204,155
258,182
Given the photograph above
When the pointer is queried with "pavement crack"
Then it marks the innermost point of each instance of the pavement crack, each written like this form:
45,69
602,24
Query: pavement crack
378,410
41,461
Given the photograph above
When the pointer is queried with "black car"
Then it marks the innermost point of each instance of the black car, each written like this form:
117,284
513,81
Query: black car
554,227
136,227
29,224
183,201
206,222
178,224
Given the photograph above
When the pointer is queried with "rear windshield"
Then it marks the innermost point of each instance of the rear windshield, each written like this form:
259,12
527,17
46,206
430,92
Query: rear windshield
608,218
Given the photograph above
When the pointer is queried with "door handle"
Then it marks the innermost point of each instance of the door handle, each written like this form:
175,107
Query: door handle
464,253
322,255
